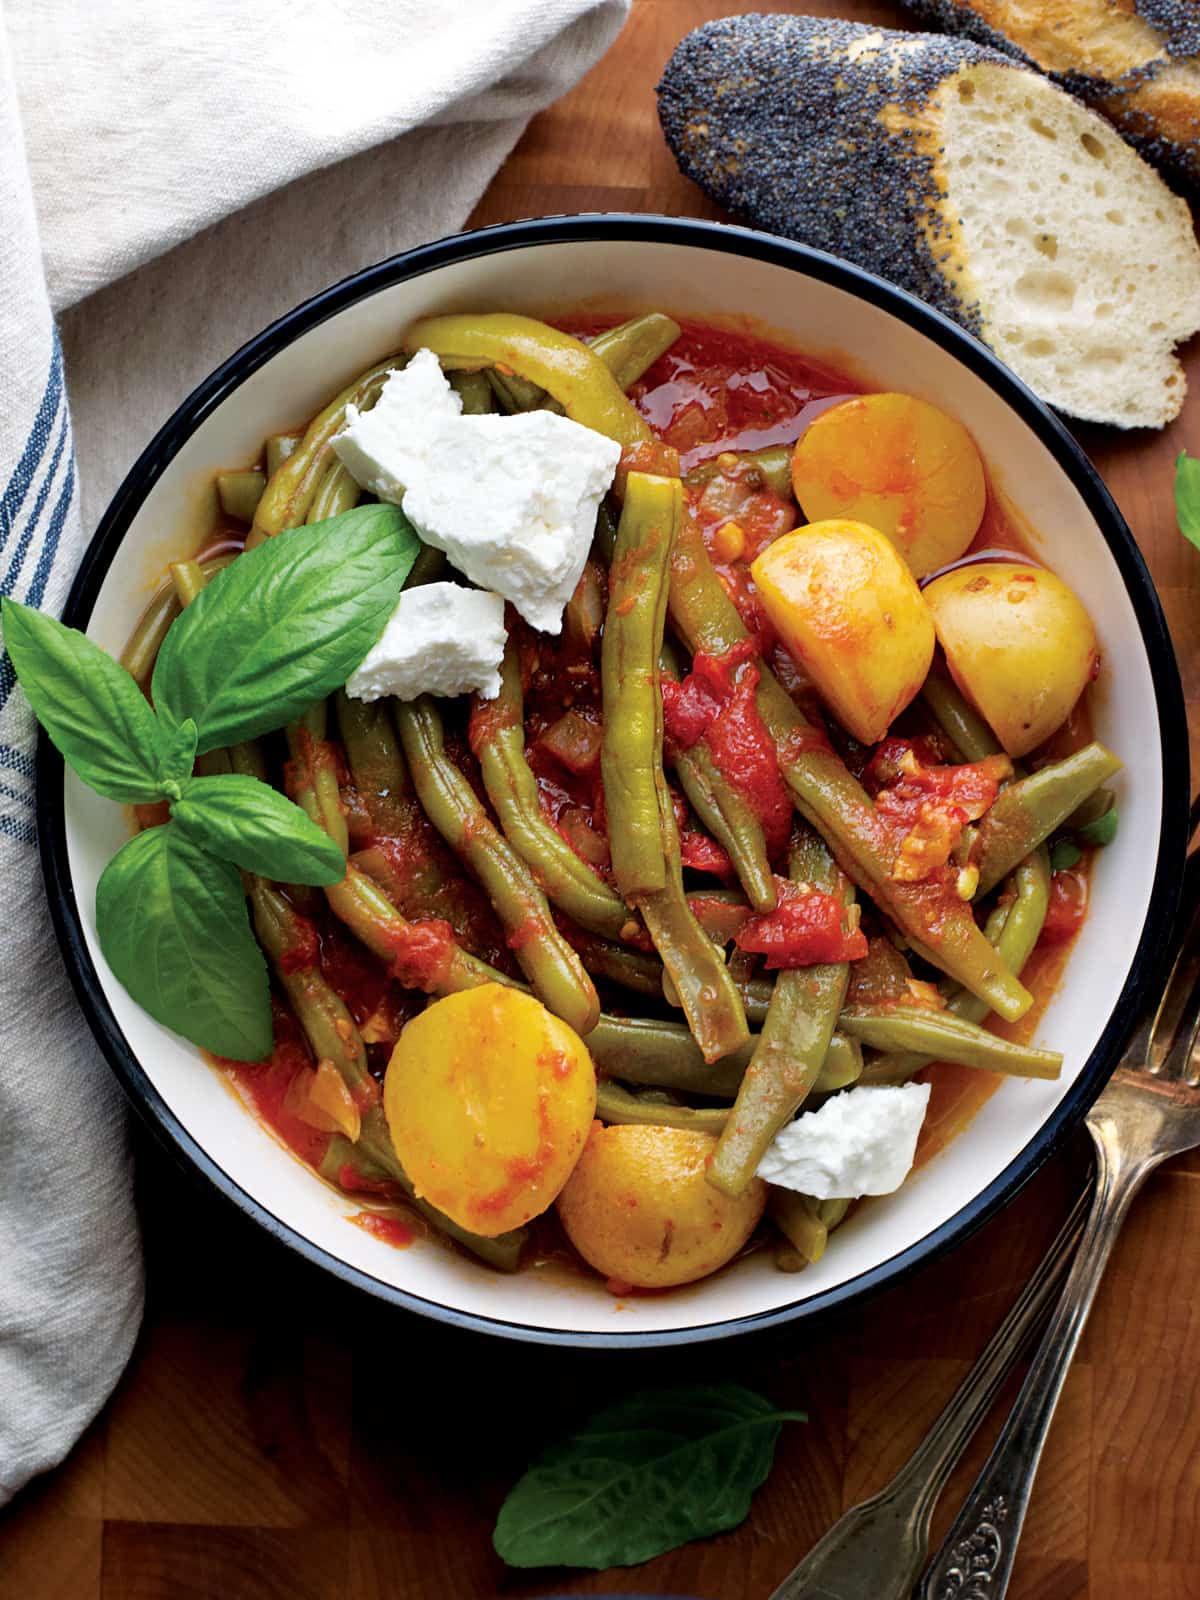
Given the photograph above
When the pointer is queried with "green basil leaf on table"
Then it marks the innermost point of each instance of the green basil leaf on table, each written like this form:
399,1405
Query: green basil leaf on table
283,625
95,714
173,926
1103,830
1187,496
641,1477
254,826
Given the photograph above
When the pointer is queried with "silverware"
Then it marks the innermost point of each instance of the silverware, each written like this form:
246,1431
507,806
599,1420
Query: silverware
1149,1111
875,1551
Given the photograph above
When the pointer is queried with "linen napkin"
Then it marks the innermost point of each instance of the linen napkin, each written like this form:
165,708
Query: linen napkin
170,183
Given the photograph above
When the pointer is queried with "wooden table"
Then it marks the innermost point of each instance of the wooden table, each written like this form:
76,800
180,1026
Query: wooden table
277,1436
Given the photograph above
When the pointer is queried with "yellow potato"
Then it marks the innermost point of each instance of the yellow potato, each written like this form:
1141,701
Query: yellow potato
900,464
1019,646
639,1209
849,610
489,1098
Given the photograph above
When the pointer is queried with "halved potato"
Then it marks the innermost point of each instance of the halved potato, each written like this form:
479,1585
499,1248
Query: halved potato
900,464
1018,643
845,605
489,1098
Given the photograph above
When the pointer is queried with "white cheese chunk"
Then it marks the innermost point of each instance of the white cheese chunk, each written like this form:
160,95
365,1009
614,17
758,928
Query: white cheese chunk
511,500
859,1142
442,638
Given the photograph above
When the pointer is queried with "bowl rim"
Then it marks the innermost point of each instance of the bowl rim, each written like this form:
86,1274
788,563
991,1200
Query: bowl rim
692,233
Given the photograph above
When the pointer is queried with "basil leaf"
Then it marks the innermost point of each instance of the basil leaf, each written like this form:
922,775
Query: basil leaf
177,759
173,927
1103,830
642,1477
283,625
1064,855
94,712
1187,496
249,823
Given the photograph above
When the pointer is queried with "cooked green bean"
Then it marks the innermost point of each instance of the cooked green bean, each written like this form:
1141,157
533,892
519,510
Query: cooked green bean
631,348
240,492
663,1055
797,1218
794,1040
1027,811
554,970
964,727
189,578
498,741
517,394
631,746
946,1037
377,765
619,963
1014,929
292,486
374,1157
833,801
606,533
774,463
140,654
336,492
475,392
617,1104
278,448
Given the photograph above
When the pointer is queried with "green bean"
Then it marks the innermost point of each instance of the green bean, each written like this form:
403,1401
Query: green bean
319,796
941,928
833,1211
1028,811
278,448
290,943
377,766
619,963
375,1158
946,1037
291,487
517,394
795,1037
605,538
631,748
429,567
965,728
1097,805
475,392
498,741
663,1055
631,348
774,463
240,492
617,1104
336,492
1014,929
140,654
797,1218
724,811
554,970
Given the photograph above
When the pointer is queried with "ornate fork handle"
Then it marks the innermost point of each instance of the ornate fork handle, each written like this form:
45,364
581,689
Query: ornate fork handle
975,1560
876,1548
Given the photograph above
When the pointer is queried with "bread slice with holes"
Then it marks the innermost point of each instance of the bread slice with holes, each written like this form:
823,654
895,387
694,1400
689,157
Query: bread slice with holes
962,176
1135,61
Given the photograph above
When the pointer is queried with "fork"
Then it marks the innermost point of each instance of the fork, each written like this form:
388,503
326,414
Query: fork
1149,1111
875,1550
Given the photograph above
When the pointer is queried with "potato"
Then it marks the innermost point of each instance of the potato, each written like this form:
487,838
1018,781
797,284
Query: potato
900,464
849,610
1019,646
489,1098
639,1208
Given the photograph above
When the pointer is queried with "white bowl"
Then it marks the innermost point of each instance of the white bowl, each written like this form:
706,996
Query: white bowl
825,308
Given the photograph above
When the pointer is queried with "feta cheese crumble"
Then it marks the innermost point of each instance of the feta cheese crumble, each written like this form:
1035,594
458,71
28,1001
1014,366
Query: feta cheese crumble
860,1142
442,638
511,500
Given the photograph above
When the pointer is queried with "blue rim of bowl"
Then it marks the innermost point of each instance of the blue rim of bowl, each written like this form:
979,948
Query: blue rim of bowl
724,238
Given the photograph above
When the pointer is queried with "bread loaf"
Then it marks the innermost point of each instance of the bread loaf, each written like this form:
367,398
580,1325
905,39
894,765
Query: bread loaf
960,175
1138,63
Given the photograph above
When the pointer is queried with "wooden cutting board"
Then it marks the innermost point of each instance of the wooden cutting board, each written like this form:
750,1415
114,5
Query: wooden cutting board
278,1438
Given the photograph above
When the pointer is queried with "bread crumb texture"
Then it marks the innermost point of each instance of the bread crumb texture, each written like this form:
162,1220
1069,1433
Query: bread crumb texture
972,182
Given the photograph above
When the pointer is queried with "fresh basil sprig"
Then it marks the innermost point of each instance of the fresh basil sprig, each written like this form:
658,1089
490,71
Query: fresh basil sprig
278,629
642,1477
1187,496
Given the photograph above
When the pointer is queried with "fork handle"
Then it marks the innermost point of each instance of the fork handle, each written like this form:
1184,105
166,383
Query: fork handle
976,1557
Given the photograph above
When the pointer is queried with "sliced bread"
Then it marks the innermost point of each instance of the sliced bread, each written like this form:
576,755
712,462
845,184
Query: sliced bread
1136,61
963,177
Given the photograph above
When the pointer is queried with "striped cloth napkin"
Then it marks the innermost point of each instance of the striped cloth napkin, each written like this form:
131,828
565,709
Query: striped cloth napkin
168,190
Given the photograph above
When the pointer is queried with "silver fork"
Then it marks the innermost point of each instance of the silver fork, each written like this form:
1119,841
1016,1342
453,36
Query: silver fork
1149,1111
